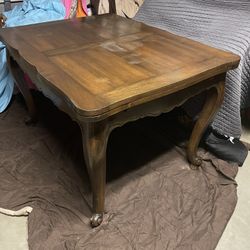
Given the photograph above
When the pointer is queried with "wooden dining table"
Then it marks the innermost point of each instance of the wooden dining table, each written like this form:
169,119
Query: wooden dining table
105,71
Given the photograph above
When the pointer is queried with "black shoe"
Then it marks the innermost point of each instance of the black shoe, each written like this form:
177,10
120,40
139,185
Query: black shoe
225,148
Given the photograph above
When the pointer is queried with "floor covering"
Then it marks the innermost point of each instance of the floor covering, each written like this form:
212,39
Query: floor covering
154,199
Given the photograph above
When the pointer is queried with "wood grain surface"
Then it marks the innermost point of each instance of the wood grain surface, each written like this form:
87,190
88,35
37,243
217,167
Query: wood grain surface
106,64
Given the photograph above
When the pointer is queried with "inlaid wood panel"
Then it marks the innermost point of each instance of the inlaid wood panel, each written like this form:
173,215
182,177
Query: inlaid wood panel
106,63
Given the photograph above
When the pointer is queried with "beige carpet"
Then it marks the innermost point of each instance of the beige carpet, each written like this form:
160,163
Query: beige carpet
13,233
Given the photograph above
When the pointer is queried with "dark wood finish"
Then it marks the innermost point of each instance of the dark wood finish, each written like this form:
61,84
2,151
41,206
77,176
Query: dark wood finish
213,102
18,76
95,138
105,71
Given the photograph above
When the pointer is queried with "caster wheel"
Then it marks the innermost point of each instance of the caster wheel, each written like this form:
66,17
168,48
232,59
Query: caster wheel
96,220
197,161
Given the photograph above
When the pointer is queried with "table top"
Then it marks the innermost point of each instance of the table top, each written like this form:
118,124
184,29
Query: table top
109,63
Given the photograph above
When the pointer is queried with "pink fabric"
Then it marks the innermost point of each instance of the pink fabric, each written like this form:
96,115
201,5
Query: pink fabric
84,6
67,4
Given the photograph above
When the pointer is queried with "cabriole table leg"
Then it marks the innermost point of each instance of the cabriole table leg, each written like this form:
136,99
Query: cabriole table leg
18,75
213,102
95,138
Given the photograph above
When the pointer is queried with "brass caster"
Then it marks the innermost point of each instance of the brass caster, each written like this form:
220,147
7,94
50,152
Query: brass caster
196,162
96,220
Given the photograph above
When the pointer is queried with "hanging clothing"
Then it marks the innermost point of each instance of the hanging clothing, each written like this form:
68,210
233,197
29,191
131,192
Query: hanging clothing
80,12
123,8
6,80
29,12
75,8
